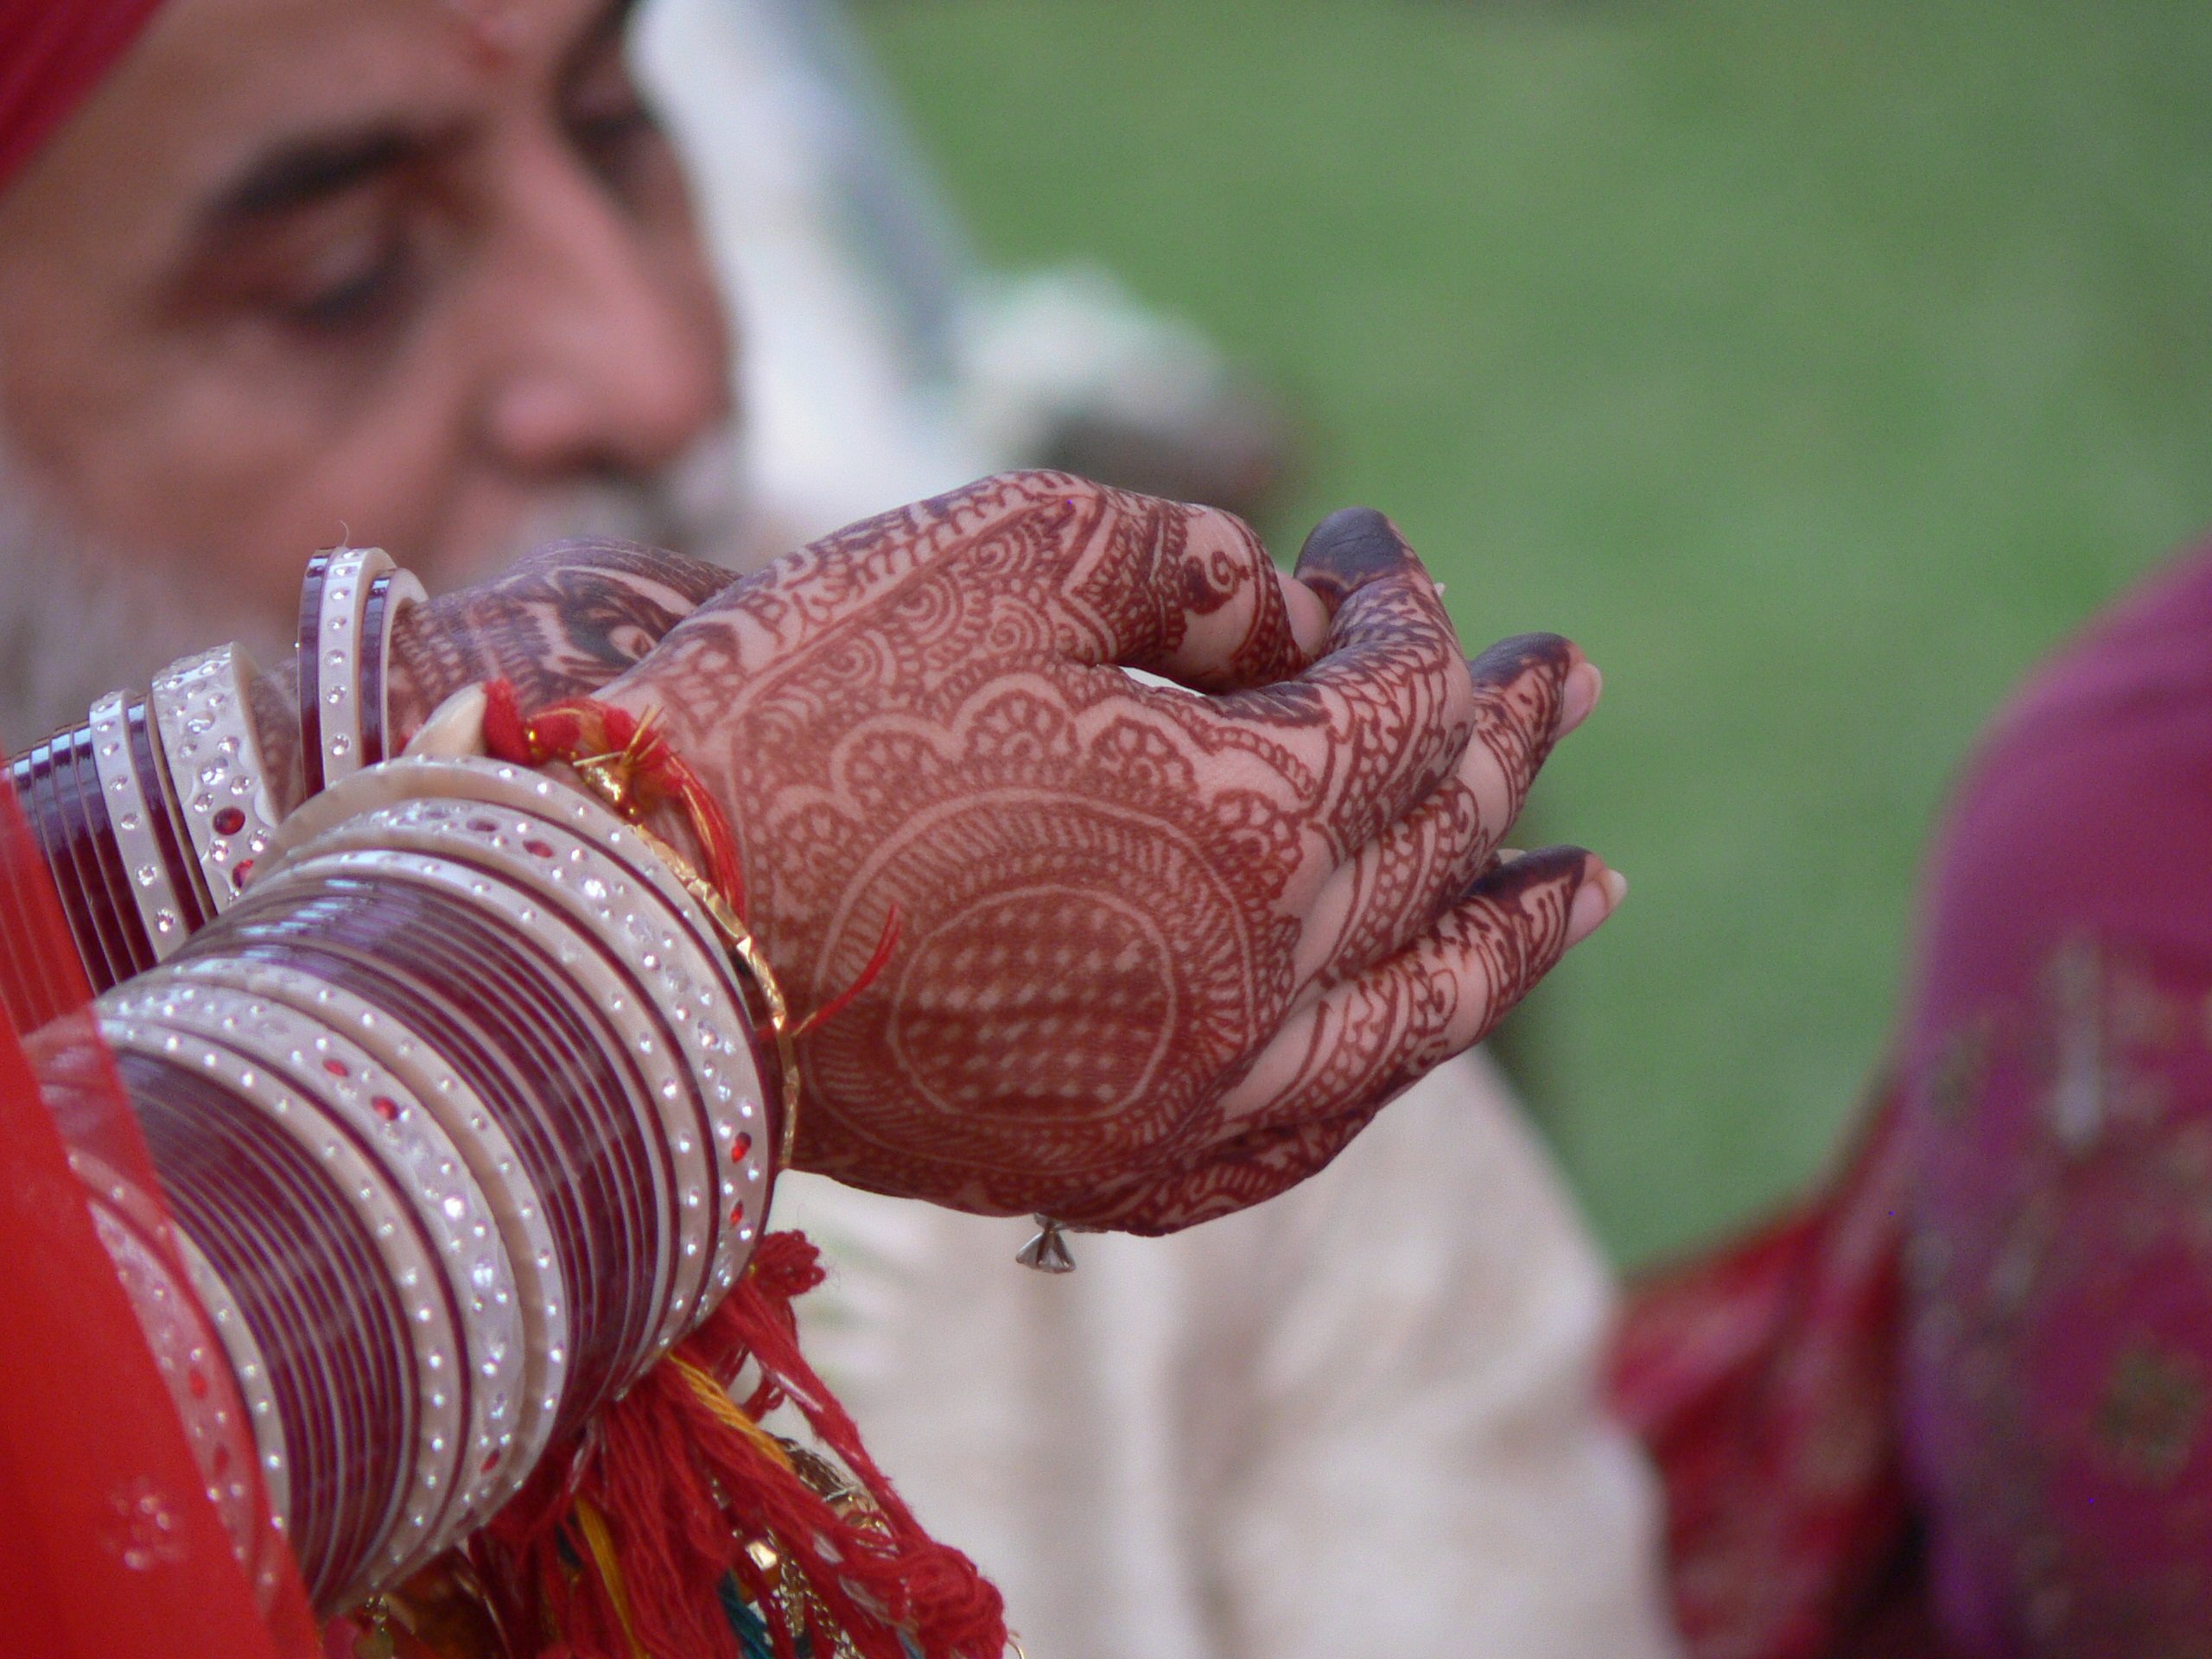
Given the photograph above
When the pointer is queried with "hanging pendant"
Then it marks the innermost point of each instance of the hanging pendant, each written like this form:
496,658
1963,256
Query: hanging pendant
1048,1251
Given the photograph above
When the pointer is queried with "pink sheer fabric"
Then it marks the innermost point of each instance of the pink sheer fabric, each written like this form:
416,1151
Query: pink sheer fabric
2057,1351
1960,1400
127,1473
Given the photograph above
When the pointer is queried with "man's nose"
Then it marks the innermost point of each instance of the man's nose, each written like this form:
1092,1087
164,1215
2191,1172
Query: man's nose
609,350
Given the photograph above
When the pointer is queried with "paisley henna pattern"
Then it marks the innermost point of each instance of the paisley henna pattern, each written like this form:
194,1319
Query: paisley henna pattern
1106,1003
564,621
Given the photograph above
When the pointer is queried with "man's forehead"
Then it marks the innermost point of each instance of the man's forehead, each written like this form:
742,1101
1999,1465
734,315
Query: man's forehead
218,89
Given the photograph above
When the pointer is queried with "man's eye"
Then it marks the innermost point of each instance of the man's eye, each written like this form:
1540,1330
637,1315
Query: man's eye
355,298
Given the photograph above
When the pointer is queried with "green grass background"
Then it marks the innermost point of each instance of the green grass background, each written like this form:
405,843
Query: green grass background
1816,366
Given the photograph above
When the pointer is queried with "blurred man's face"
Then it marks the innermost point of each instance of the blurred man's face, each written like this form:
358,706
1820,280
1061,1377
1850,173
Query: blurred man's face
421,272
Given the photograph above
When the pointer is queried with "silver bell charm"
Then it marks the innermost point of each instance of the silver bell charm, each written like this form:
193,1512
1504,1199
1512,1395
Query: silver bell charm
1048,1251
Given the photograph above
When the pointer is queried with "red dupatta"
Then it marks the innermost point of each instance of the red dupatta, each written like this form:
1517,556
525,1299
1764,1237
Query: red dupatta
113,1547
1762,1380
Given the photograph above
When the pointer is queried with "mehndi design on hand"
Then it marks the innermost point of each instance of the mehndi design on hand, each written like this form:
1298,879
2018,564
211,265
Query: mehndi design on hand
1165,949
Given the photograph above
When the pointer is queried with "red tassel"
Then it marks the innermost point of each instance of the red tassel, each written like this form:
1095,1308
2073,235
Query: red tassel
682,1491
885,943
583,728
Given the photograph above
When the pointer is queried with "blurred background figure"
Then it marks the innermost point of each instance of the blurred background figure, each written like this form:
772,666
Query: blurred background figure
884,359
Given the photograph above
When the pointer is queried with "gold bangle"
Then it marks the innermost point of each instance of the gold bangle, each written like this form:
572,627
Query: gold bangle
599,777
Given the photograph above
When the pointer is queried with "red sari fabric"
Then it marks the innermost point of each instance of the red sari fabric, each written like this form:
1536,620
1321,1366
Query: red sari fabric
1961,1403
113,1547
1761,1380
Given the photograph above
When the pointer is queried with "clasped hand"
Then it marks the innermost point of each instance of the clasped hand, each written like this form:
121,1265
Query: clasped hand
1164,949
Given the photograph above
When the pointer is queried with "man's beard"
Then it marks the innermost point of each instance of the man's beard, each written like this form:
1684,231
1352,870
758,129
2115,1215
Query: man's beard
79,619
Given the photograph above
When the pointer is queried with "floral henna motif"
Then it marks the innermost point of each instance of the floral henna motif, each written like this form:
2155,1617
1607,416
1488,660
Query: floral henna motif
1107,886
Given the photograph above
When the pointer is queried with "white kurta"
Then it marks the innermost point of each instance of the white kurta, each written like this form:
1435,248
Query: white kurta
1359,1420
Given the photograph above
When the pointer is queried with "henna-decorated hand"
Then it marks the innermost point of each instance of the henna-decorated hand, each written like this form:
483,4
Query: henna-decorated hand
1165,951
561,623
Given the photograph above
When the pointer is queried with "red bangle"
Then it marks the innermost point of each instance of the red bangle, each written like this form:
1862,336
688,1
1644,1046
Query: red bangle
107,858
333,1335
519,1042
310,669
66,802
388,595
80,820
152,767
34,776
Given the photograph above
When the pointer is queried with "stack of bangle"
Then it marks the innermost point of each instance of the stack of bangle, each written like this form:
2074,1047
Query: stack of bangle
455,1106
461,1109
153,812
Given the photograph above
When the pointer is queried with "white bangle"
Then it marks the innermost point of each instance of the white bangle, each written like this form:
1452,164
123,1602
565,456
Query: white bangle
725,1055
340,653
671,1298
714,1132
419,1161
203,709
130,809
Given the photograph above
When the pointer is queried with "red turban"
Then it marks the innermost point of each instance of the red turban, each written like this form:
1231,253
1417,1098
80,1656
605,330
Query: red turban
52,54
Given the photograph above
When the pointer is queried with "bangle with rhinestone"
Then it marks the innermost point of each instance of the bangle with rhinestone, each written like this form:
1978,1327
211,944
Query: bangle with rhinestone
165,818
533,1254
735,1067
491,1047
647,1087
659,970
514,953
526,1044
333,661
190,1334
585,1090
203,709
92,843
218,1197
380,1117
58,790
304,1263
208,1396
249,1368
148,872
441,1387
411,1238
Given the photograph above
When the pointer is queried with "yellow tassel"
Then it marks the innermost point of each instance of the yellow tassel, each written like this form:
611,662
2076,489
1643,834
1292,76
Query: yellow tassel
717,1400
600,1542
